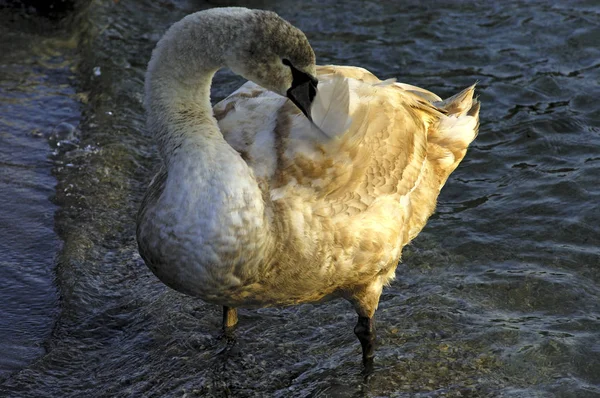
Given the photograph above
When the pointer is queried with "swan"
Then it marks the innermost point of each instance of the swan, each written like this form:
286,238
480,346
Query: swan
301,186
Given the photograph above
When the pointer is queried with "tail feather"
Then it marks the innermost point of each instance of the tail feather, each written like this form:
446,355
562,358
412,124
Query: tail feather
459,104
449,140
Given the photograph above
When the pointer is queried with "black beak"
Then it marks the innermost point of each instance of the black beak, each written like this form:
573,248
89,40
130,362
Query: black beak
303,90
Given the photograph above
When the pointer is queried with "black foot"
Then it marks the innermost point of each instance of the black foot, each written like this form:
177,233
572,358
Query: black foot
365,331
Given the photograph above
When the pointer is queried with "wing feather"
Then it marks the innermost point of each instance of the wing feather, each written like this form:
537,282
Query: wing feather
331,106
370,138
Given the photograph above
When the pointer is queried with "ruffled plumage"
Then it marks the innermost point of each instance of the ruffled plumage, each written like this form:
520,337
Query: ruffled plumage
256,205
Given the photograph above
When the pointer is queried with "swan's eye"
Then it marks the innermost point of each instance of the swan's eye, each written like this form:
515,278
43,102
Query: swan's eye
286,62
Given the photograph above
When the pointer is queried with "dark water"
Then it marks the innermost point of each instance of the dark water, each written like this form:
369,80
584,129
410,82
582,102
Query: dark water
36,96
498,296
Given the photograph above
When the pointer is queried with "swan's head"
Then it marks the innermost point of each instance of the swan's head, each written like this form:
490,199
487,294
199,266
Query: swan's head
277,56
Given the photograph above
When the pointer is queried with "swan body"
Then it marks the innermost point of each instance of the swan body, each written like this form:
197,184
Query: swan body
267,201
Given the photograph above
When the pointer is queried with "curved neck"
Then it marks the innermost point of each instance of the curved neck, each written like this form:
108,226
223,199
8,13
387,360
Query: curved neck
179,114
207,179
178,80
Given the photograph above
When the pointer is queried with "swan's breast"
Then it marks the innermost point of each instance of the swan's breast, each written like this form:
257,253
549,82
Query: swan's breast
200,237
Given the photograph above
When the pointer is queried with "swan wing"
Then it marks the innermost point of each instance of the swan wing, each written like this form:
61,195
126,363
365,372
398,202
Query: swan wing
351,189
376,151
368,139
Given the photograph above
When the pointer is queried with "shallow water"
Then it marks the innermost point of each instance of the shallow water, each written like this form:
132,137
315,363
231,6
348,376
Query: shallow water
36,96
498,296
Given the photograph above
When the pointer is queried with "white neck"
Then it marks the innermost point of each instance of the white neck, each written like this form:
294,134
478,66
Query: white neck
206,176
178,83
251,43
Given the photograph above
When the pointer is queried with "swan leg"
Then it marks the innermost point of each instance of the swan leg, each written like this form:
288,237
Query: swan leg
365,331
365,300
230,317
